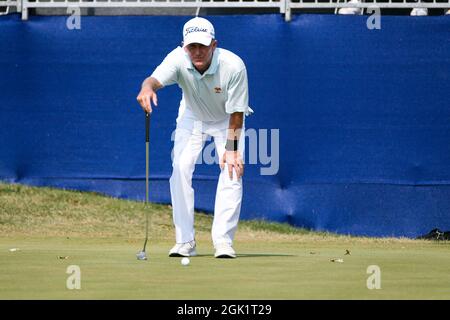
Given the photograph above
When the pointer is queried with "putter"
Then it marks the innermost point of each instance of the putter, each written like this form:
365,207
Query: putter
142,255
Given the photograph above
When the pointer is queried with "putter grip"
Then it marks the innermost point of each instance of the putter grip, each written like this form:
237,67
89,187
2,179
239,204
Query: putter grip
147,127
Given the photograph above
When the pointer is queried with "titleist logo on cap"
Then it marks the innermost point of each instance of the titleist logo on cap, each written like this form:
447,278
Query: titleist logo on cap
195,29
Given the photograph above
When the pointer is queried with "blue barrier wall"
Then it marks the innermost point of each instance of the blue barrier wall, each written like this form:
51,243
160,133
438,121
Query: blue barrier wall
363,115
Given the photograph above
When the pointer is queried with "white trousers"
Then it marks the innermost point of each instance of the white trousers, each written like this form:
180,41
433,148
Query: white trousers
190,136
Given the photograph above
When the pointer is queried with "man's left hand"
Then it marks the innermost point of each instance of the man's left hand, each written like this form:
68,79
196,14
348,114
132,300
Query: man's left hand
233,159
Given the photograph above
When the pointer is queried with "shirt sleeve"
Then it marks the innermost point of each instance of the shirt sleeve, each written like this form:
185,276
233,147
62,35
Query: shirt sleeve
167,72
238,94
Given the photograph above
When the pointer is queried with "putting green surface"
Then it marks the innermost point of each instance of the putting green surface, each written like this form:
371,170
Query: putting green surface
263,270
53,229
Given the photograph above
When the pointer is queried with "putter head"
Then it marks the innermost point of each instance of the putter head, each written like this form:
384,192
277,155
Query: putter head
141,255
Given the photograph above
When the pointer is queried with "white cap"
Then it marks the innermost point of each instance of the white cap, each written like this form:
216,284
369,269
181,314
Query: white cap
198,30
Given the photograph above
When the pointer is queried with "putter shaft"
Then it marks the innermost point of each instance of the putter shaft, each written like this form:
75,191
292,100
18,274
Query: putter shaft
147,142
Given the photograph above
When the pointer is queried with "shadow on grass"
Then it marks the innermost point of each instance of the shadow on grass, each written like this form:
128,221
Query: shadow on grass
251,255
259,255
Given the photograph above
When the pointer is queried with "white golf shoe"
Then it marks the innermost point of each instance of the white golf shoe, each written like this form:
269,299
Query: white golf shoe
183,249
224,250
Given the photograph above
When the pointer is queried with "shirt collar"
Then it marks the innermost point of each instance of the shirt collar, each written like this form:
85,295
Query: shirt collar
214,63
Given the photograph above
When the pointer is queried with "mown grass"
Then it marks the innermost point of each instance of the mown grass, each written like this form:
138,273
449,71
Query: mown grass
101,235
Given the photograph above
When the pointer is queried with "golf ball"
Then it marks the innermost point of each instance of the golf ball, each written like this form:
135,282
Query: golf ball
185,261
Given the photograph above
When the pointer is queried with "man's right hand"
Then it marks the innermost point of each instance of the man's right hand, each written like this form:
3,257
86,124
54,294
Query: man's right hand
146,97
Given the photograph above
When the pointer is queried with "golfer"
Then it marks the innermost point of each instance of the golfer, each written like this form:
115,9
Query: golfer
214,104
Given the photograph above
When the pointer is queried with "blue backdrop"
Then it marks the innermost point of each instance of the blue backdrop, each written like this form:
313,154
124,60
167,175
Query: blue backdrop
363,115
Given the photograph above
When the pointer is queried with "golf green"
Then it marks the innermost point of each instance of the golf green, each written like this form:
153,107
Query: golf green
108,267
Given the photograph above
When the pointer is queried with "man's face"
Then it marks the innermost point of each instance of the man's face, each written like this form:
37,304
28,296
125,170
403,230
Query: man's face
200,55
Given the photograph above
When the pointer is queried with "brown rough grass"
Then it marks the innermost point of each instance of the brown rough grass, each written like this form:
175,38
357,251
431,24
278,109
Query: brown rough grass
47,212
